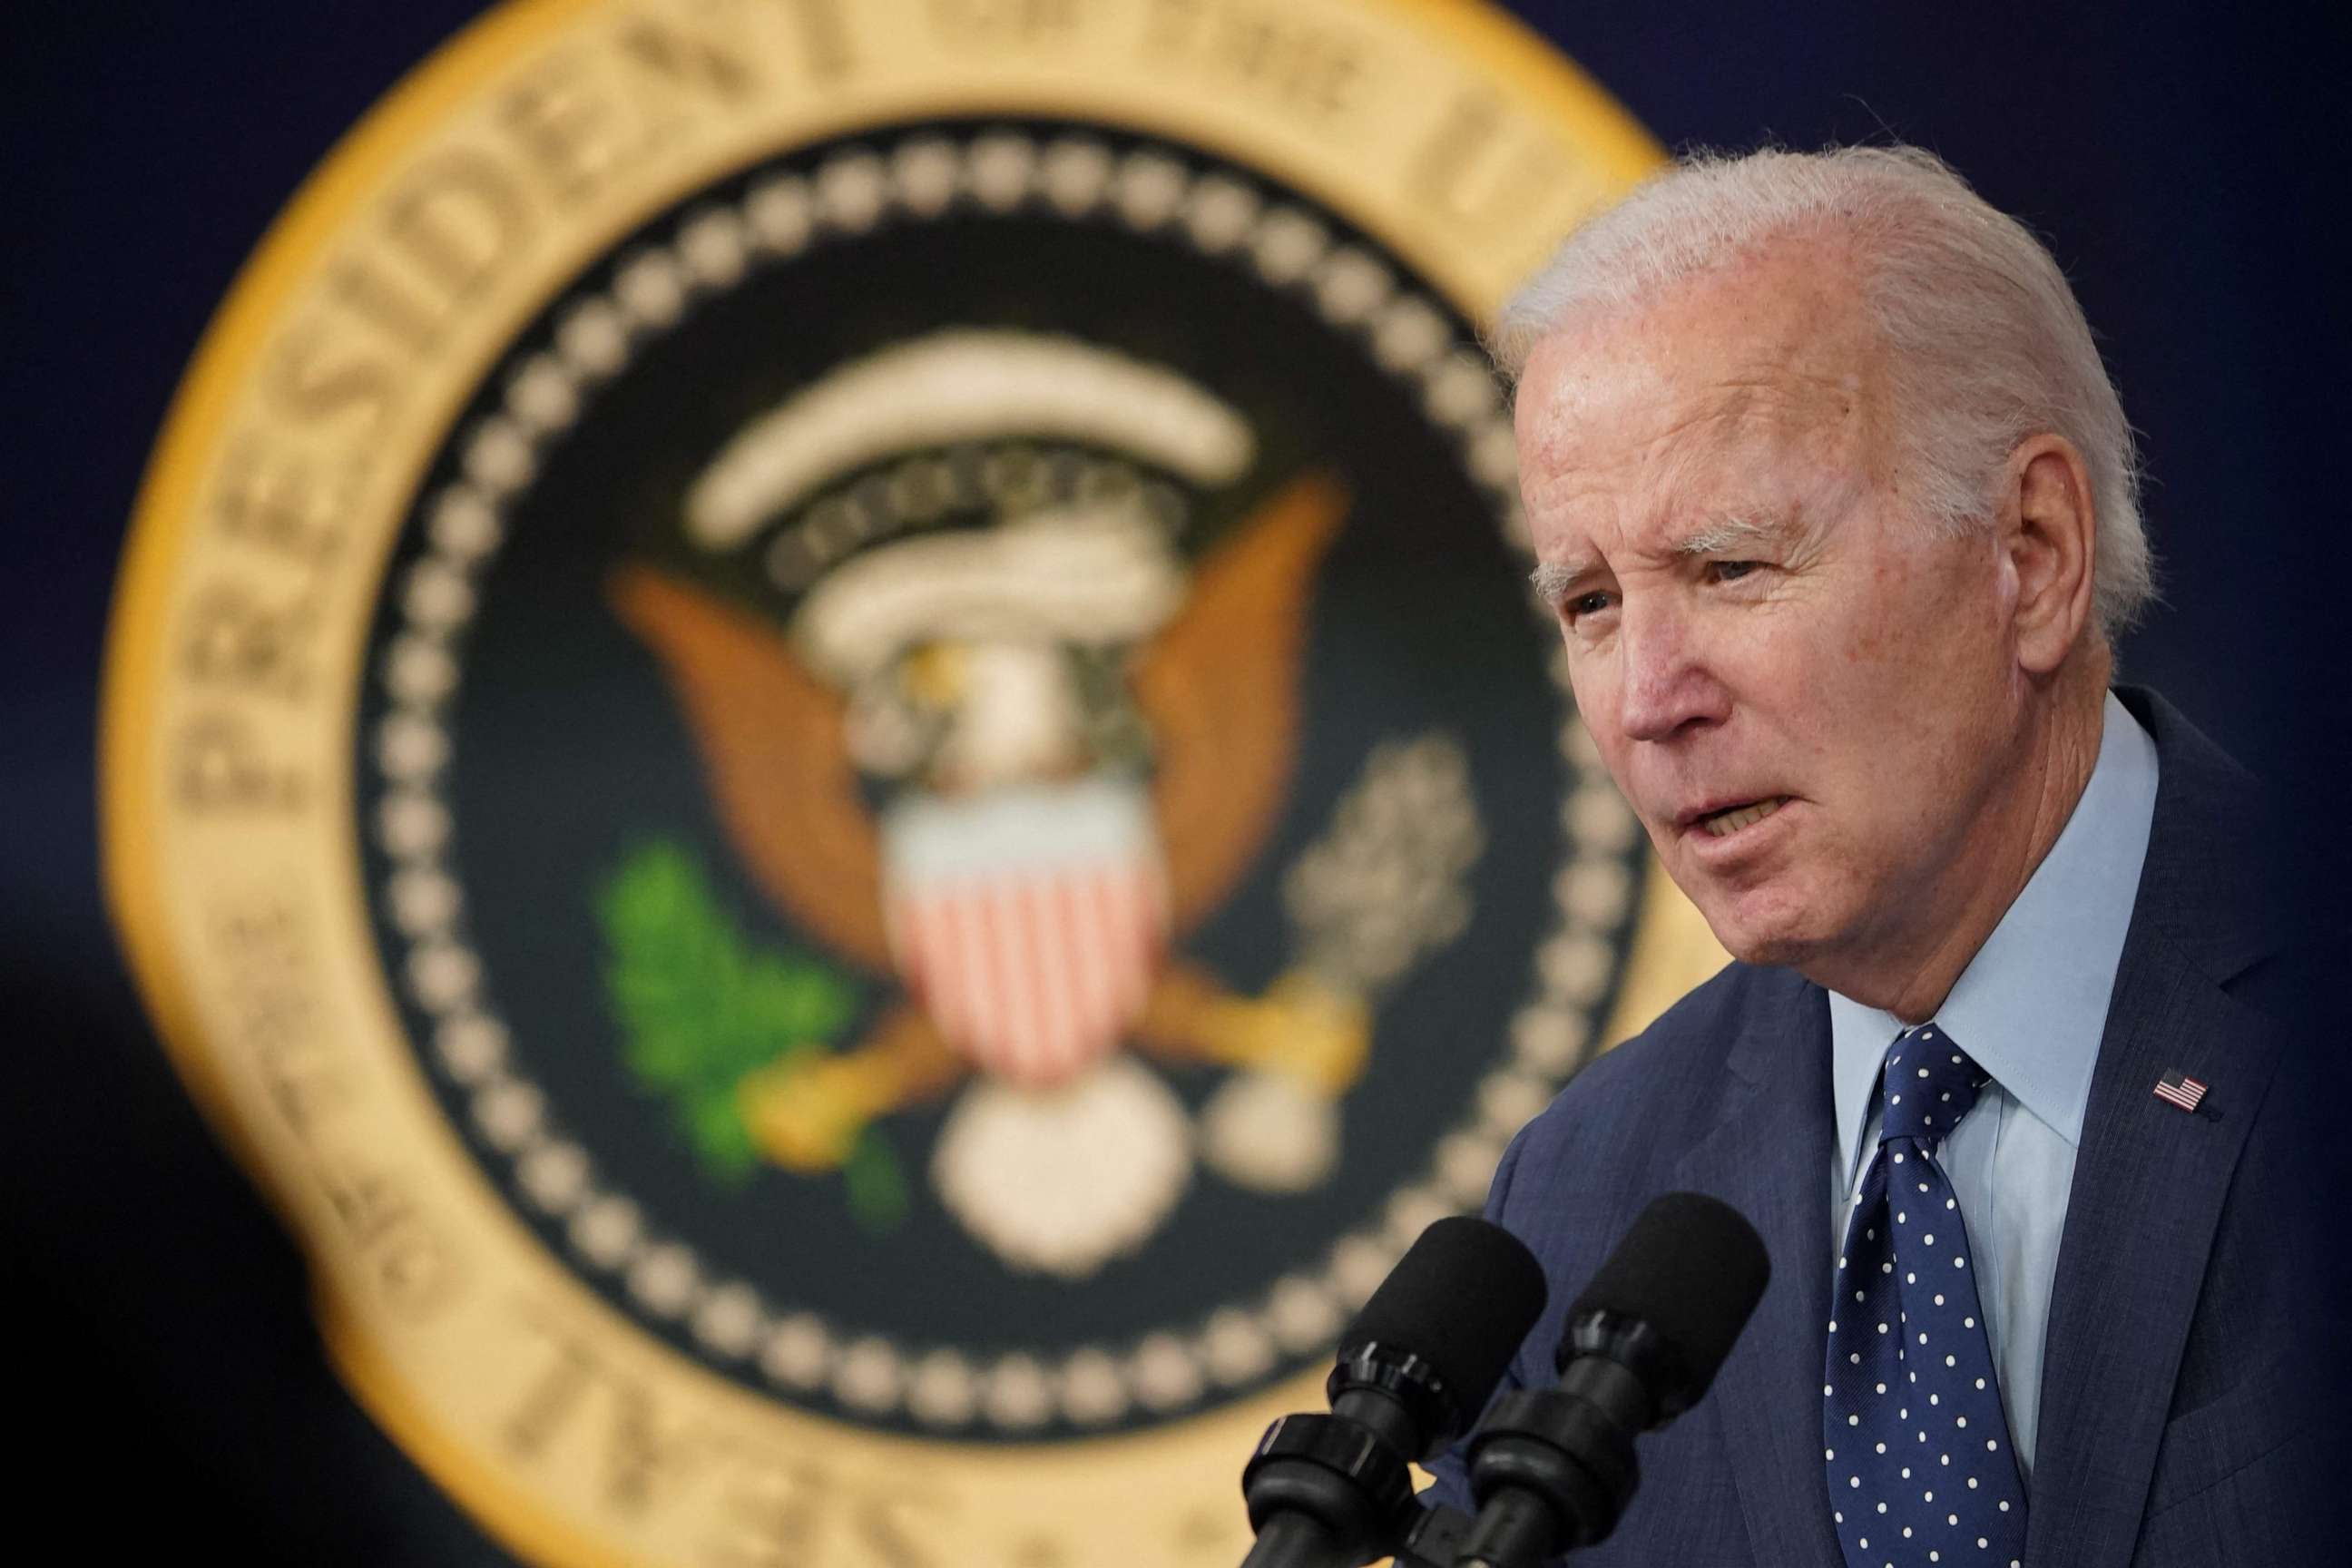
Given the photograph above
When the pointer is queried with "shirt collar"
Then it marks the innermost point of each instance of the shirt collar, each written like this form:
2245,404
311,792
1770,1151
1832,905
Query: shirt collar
2033,1002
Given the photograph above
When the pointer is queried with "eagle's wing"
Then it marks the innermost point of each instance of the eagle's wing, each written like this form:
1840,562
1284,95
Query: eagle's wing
774,745
1221,689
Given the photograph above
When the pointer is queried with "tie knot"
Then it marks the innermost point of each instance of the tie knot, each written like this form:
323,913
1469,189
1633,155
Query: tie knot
1930,1085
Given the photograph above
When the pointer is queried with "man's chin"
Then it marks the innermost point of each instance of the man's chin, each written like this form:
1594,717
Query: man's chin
1775,934
1777,952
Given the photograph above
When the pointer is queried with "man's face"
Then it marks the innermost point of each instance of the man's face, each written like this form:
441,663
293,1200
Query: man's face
1806,695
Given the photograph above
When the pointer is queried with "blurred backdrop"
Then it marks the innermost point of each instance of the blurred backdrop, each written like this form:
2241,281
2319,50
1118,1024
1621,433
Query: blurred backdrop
2186,163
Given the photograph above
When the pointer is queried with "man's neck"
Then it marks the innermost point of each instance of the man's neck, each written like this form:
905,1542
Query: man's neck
1911,972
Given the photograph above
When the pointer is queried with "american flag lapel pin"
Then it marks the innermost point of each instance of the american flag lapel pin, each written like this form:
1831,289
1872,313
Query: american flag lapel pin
2177,1088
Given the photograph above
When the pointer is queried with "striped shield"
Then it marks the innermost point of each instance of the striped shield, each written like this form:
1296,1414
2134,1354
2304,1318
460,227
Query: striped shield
1029,924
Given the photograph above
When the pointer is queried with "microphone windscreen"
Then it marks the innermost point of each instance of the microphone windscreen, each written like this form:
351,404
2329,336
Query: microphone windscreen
1462,1298
1693,1269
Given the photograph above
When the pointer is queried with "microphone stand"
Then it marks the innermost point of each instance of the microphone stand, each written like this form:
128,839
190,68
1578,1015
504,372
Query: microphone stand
1435,1538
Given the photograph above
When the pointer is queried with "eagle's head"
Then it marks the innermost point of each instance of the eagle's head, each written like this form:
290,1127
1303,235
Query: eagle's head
987,660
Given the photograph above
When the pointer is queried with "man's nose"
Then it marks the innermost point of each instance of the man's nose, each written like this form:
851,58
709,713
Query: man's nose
1668,684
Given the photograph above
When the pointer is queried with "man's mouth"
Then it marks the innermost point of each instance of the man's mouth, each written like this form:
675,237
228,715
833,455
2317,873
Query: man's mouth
1732,819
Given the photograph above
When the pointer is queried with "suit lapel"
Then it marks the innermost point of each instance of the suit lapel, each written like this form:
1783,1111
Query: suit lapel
1770,1157
2149,1179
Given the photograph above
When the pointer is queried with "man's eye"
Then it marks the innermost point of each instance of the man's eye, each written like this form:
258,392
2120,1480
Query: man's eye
1732,570
1590,603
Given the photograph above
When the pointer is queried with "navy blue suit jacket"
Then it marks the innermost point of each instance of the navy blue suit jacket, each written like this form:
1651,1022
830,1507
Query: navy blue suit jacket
2188,1391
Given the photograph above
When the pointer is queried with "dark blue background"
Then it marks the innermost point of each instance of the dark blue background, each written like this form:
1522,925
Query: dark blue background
2187,163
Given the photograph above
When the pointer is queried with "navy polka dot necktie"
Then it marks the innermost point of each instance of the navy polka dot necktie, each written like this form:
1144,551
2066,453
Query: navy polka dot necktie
1919,1465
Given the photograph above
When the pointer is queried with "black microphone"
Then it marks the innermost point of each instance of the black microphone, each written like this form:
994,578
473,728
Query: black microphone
1553,1468
1415,1367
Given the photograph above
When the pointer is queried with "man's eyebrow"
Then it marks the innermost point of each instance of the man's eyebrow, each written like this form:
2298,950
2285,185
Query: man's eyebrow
1734,534
1554,581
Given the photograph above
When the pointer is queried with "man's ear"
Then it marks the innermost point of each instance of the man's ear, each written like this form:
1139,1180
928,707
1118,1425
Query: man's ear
2050,534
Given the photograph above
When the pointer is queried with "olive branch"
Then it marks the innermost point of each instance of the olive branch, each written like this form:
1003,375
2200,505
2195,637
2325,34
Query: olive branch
700,1009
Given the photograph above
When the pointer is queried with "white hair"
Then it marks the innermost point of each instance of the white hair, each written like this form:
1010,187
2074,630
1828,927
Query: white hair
1987,343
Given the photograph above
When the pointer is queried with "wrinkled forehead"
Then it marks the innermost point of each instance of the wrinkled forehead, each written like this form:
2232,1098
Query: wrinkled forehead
1777,353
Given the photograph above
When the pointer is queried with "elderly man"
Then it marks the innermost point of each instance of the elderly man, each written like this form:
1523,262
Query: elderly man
1836,510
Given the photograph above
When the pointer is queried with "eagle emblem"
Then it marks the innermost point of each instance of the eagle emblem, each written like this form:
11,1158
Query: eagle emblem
1001,754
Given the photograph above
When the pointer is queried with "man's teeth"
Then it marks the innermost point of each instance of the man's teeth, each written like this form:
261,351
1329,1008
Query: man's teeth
1733,821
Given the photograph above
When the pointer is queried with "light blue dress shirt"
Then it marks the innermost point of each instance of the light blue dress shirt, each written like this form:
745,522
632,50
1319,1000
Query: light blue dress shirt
2029,1009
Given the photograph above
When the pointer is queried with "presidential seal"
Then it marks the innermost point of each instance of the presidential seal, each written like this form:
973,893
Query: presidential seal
821,737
